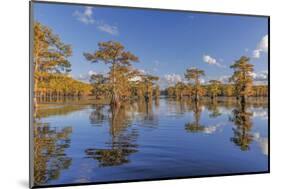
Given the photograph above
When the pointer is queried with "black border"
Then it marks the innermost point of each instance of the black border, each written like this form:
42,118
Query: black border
133,180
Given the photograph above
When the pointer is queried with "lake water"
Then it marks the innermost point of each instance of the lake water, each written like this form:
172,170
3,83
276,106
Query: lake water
164,138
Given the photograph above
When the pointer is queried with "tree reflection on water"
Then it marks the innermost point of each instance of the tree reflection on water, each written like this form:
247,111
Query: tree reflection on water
195,125
122,143
50,159
213,108
125,123
97,116
243,125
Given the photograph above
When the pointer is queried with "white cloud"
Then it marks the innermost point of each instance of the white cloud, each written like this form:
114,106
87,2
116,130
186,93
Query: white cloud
113,30
263,143
142,71
83,77
212,129
172,79
136,78
224,78
259,113
262,47
88,11
211,60
203,81
86,16
86,76
260,77
256,53
148,71
91,72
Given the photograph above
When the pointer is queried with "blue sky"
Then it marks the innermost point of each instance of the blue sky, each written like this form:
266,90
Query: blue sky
166,42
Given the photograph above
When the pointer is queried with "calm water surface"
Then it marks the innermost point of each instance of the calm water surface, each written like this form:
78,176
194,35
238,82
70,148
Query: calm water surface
164,138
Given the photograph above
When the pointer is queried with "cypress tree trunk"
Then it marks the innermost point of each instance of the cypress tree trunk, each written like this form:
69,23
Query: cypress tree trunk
115,101
196,96
243,99
243,102
114,114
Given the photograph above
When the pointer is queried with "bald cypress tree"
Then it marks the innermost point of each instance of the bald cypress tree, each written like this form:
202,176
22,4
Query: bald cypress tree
214,88
50,55
114,54
194,74
242,78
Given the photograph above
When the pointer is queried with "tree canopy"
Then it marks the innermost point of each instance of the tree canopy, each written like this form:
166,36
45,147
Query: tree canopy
114,53
242,77
194,74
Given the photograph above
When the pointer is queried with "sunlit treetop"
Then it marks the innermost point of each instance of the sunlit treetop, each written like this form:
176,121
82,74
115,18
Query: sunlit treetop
111,52
50,53
194,73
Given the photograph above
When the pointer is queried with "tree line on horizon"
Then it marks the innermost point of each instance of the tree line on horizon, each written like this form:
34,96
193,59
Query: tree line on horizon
213,89
240,84
123,81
